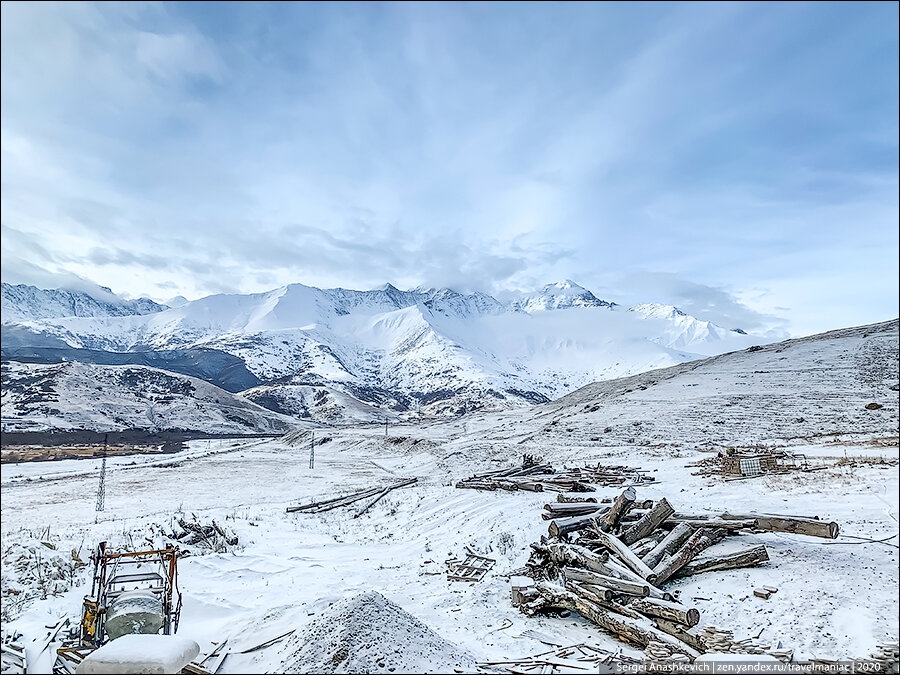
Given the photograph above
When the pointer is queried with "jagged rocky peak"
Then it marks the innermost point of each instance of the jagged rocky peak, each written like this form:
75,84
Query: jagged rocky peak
21,302
560,295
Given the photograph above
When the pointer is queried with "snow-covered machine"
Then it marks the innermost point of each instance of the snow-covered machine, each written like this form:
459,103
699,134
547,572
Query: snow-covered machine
132,592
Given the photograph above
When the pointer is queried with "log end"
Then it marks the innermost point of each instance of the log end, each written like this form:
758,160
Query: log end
692,616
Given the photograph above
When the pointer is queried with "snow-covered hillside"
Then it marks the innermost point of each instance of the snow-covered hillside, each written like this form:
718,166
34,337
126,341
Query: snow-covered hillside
428,351
797,389
111,398
29,303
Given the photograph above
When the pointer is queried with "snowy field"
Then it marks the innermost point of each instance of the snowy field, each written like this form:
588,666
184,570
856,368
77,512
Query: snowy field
835,599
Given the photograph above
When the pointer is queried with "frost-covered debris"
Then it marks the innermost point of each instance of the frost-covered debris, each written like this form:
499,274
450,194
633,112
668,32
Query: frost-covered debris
36,569
194,537
368,633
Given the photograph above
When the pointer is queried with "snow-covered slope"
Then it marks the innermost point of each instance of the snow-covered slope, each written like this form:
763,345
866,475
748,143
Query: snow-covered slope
432,351
800,389
29,303
111,398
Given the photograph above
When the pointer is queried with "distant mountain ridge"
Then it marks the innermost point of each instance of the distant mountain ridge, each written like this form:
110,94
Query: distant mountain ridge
21,302
321,354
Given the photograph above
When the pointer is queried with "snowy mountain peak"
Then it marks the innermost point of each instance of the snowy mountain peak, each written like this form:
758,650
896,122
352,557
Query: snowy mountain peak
29,303
653,310
561,295
683,331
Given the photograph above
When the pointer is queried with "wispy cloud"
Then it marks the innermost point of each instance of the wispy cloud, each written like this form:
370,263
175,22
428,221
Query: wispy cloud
729,155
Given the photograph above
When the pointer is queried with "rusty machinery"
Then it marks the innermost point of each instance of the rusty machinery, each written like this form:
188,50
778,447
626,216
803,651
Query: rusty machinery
131,592
134,591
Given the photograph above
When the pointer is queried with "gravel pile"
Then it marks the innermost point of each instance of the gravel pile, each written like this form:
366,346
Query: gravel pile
370,634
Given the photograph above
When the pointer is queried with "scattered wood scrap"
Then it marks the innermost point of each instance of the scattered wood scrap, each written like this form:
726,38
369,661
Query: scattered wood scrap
580,658
12,657
753,462
215,537
536,477
471,568
210,663
611,562
346,500
263,645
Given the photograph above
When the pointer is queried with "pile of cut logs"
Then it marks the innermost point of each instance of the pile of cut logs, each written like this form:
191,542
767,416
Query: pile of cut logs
537,477
610,563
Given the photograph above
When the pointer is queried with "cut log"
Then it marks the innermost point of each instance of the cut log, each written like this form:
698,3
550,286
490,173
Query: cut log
602,596
671,543
566,498
807,526
689,636
616,569
612,542
561,526
746,558
327,505
568,510
660,511
625,628
527,484
688,551
383,493
605,581
730,525
672,611
625,500
563,554
643,546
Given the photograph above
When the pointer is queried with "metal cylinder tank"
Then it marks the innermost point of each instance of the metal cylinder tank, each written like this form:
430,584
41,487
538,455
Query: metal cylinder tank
134,612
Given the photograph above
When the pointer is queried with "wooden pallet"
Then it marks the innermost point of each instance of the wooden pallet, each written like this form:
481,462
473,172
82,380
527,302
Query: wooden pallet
471,568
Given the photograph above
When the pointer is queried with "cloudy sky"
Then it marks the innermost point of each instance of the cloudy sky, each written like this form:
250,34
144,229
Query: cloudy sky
738,160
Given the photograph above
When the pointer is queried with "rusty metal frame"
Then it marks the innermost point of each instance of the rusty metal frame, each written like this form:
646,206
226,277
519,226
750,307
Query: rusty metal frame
105,580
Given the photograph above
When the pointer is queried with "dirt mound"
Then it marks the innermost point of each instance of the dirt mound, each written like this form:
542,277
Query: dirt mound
370,634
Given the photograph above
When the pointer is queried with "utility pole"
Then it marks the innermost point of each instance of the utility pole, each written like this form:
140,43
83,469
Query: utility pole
101,490
312,450
385,428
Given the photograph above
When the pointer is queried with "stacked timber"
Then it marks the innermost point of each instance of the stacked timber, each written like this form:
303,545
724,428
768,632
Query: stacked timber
537,477
611,562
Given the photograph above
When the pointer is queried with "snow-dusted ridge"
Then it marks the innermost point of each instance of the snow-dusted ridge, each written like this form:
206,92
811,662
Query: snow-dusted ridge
347,353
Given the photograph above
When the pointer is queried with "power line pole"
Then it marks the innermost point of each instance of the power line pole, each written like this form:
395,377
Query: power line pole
385,428
312,450
101,490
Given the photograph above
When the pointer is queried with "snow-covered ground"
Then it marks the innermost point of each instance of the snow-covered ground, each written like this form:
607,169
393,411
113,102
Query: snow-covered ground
835,599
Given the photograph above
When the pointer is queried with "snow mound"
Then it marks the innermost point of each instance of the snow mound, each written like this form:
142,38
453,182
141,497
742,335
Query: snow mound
141,654
368,633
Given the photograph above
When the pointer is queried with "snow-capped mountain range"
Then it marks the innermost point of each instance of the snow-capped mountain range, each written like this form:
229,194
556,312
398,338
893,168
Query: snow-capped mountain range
337,355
